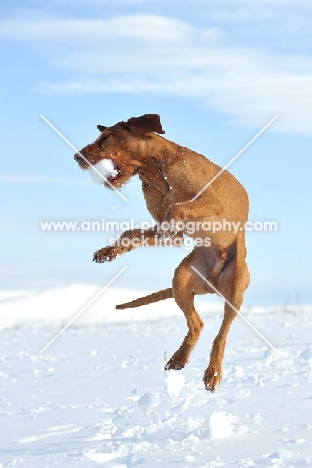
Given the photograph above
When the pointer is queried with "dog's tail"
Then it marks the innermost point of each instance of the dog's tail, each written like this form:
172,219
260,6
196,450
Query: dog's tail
155,297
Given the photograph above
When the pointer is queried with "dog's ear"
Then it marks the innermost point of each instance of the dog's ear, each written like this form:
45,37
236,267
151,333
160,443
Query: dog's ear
147,123
101,128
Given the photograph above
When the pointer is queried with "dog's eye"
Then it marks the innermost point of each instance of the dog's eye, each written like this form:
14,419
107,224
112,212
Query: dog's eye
102,139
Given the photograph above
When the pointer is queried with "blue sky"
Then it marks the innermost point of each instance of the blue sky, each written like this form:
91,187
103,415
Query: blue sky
216,72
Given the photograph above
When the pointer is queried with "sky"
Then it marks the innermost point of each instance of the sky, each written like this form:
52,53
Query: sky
216,72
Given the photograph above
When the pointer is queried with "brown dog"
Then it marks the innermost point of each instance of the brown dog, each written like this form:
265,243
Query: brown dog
172,176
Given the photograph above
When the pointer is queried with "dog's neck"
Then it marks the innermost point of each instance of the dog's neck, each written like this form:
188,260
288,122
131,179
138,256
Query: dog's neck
154,149
150,173
153,156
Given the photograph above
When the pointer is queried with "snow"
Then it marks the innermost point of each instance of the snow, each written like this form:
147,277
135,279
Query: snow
102,170
98,396
174,381
147,402
219,425
306,354
56,307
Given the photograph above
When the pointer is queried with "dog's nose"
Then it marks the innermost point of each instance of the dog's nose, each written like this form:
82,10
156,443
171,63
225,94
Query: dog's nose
78,158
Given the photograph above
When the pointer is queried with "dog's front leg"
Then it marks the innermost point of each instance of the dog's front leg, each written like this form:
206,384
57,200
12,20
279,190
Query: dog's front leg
177,214
126,242
168,227
130,240
207,204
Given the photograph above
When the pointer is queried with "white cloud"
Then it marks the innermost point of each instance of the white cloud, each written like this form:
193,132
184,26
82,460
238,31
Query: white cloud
151,28
38,178
248,98
196,2
269,2
147,53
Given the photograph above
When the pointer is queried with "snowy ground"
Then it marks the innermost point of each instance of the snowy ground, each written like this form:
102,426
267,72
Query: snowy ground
98,397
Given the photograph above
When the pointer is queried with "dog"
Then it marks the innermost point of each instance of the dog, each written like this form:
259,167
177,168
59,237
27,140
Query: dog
173,181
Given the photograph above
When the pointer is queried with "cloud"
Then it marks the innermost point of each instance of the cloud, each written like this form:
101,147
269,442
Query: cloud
38,178
248,98
269,2
150,28
198,2
157,54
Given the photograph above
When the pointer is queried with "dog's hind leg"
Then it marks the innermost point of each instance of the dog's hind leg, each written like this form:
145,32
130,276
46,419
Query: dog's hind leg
186,283
232,283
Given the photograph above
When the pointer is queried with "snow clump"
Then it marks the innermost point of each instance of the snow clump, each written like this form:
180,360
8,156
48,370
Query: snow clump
147,402
174,382
102,170
219,425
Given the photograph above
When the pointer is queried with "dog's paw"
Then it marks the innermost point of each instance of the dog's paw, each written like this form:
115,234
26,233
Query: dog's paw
174,366
164,235
107,254
167,228
212,379
177,362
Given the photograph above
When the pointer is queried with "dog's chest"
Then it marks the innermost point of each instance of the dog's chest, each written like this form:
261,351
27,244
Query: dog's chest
157,200
152,177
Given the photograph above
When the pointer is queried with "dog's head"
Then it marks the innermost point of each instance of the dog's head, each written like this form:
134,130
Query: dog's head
116,152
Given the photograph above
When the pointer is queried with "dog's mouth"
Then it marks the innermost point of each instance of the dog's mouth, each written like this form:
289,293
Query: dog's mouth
104,172
112,179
